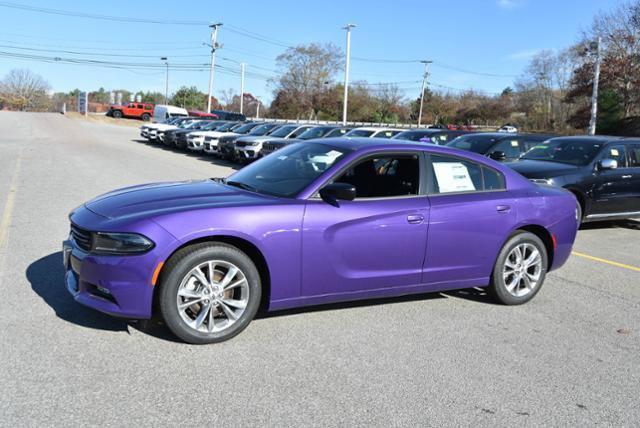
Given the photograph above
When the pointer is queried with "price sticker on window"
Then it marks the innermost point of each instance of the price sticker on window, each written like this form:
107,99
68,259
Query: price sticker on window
453,177
615,152
514,143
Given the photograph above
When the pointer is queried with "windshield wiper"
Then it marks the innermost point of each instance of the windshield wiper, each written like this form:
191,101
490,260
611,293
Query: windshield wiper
242,186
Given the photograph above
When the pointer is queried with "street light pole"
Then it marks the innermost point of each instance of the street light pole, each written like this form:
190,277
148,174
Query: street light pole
596,83
346,73
241,86
166,83
424,85
214,46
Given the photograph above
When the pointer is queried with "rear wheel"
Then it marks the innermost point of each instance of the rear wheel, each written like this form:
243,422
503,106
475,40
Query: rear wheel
146,117
117,114
520,269
209,293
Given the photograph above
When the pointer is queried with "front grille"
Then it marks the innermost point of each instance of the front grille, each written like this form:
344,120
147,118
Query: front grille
81,237
241,144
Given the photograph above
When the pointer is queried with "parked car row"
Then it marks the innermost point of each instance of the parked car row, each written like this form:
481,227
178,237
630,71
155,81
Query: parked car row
603,173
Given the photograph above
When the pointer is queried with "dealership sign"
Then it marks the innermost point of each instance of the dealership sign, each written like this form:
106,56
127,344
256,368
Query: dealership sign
83,103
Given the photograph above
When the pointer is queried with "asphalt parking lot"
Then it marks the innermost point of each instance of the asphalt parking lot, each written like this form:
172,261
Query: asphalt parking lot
570,357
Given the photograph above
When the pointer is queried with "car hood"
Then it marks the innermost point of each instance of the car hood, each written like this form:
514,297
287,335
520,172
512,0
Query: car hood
214,134
254,138
154,199
164,127
541,169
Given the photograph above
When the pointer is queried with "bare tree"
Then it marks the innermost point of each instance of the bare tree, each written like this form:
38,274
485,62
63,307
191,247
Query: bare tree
304,73
25,91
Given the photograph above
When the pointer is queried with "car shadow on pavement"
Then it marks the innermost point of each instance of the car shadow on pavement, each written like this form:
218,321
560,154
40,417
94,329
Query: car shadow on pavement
621,224
46,276
351,305
189,153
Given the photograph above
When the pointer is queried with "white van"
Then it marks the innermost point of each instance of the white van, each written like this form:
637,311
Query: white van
162,113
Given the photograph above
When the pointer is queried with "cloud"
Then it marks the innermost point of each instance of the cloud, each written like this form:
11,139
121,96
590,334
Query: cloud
525,54
508,4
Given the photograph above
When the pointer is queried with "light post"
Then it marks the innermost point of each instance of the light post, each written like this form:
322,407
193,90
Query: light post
166,83
346,73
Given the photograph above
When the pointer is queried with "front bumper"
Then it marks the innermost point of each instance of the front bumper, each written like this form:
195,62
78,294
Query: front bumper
144,133
152,134
116,285
210,146
248,152
195,144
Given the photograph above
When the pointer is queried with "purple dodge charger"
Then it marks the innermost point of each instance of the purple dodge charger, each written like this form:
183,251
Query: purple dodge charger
316,222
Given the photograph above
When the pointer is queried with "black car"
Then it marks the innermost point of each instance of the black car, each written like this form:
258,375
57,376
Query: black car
500,146
226,144
429,135
602,172
178,137
320,131
229,115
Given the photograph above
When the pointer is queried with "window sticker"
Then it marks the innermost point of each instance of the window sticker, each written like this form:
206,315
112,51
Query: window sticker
453,177
443,137
615,152
514,143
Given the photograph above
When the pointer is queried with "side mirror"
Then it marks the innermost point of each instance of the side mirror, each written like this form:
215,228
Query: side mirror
333,192
606,164
498,155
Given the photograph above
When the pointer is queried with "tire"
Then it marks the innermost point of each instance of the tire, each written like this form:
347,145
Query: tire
579,214
146,117
179,286
507,270
117,114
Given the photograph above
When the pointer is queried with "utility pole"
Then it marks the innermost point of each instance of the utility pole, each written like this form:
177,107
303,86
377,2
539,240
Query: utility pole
596,83
346,73
166,83
241,86
214,46
424,86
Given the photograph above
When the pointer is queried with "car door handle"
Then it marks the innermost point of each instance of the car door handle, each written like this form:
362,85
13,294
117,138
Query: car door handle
503,208
627,176
415,218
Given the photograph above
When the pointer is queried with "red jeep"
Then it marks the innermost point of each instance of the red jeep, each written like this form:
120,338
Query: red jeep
142,111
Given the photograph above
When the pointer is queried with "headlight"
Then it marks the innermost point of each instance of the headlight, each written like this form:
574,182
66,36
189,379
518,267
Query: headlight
547,181
120,243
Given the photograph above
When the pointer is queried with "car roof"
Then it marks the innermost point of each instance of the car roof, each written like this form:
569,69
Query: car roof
593,138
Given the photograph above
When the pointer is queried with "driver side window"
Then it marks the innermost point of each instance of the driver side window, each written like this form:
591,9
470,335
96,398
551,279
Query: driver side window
618,153
384,176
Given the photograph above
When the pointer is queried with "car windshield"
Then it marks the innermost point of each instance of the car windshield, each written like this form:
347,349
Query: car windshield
262,129
222,127
339,132
288,171
283,131
314,133
213,125
474,143
412,135
359,133
571,151
244,128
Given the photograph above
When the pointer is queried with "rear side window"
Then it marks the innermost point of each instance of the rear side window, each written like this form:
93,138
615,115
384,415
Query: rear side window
148,107
456,175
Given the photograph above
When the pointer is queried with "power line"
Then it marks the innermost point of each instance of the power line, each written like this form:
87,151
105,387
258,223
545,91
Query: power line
98,16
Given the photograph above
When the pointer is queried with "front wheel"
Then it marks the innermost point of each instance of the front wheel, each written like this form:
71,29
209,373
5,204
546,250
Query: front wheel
520,269
209,293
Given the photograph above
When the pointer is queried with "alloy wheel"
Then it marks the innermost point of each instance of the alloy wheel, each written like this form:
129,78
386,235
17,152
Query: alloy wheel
212,296
522,270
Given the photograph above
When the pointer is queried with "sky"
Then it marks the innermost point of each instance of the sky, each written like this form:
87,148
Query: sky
481,44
